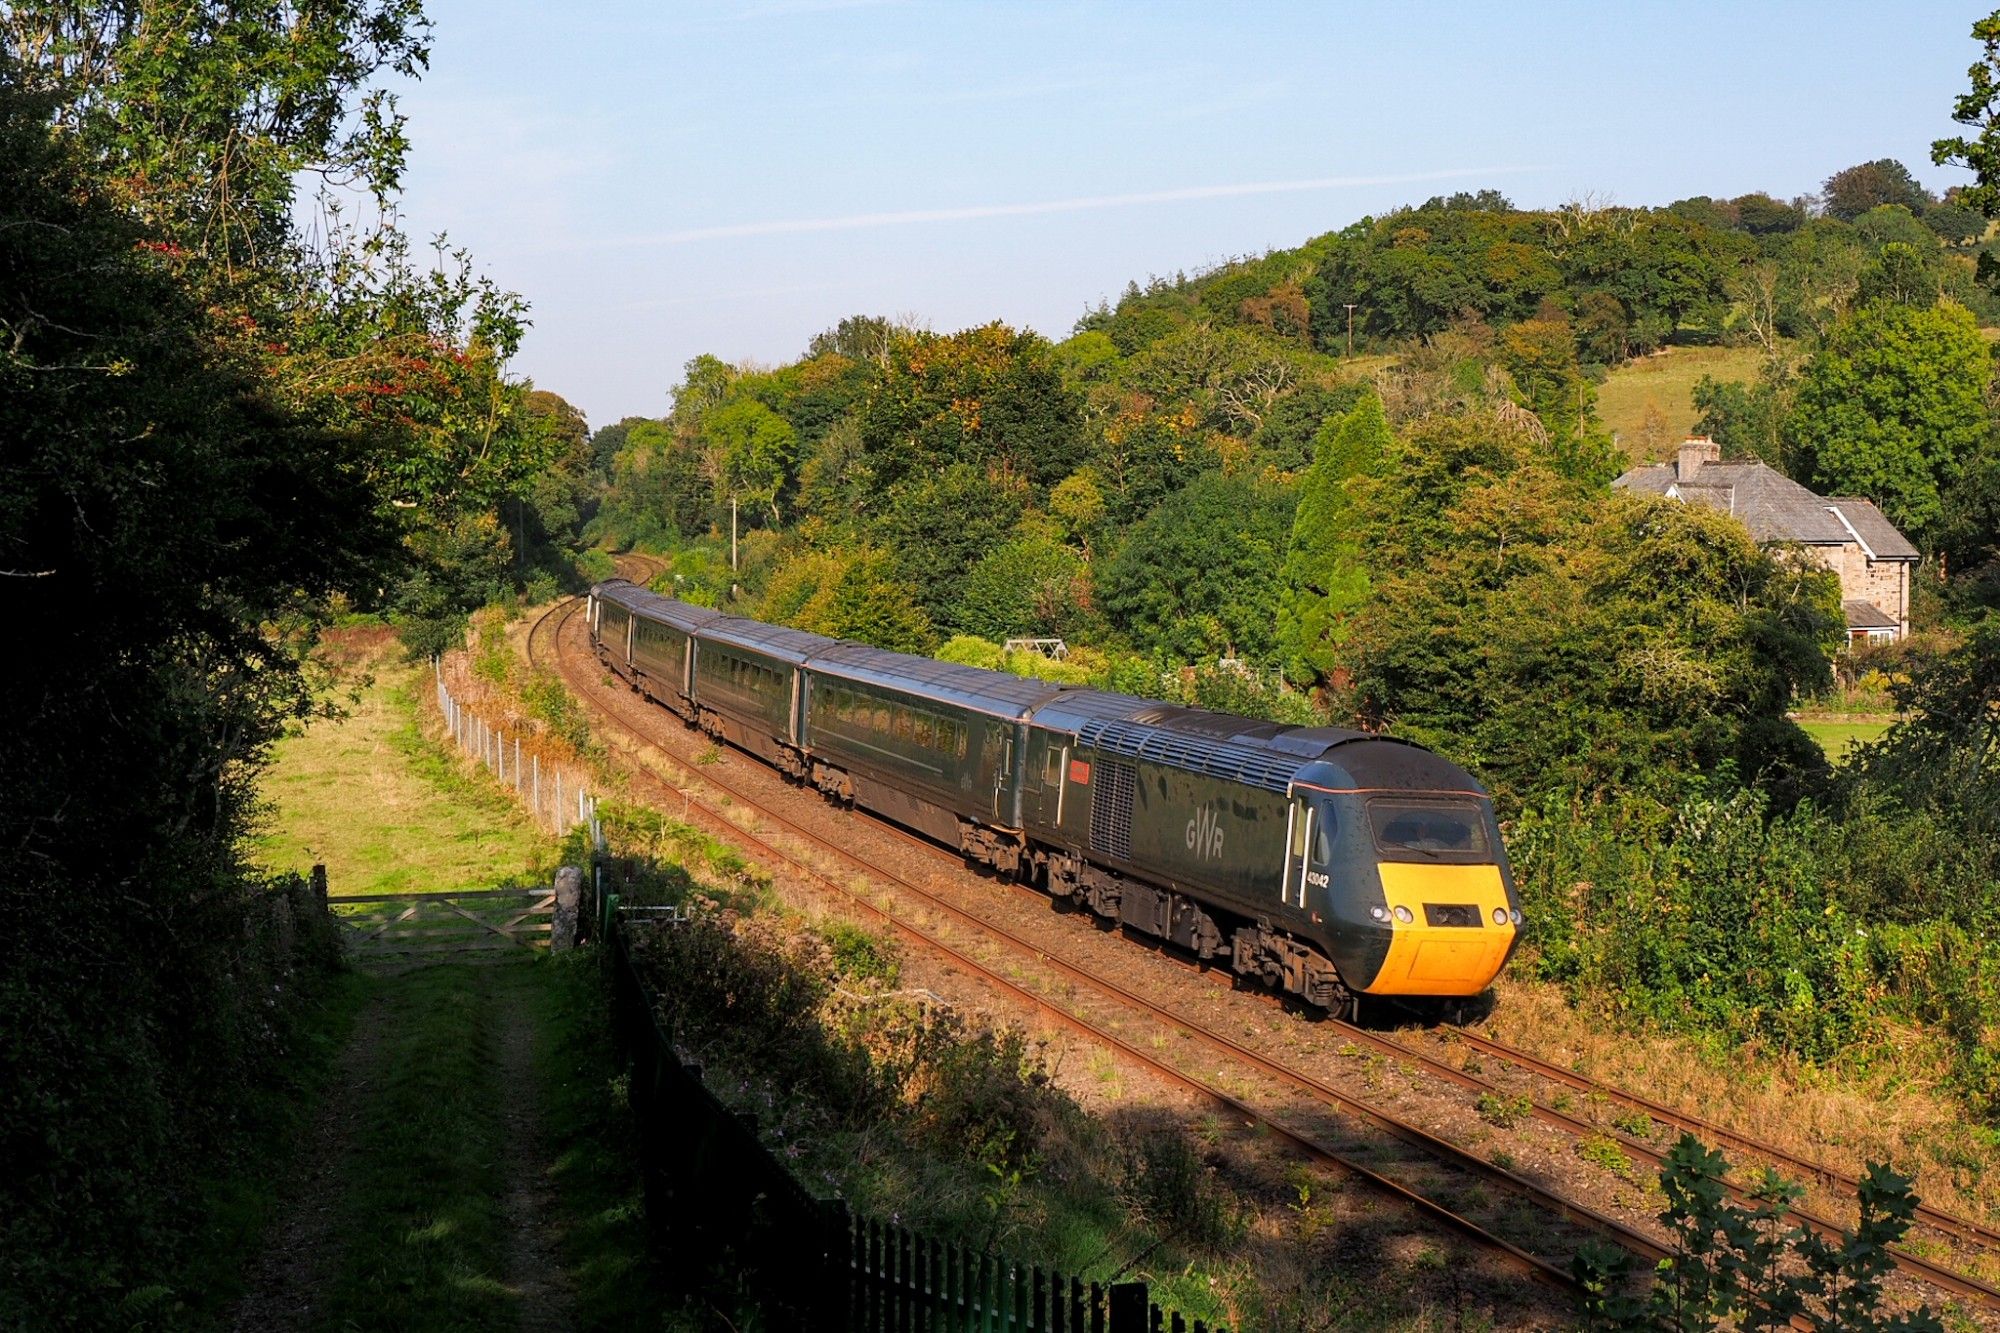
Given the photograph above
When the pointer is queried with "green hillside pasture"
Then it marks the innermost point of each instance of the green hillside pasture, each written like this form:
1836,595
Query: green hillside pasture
386,809
1837,736
1666,381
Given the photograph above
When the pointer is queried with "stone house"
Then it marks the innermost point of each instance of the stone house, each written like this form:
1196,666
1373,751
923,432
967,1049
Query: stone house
1848,536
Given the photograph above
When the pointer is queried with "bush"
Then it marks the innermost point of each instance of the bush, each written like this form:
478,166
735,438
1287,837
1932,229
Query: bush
1751,1267
1704,918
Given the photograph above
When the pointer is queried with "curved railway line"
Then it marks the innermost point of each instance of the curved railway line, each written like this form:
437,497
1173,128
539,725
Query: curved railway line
1440,1168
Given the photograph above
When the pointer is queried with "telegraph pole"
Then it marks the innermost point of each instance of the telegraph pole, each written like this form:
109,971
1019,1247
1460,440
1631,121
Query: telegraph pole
1350,329
732,534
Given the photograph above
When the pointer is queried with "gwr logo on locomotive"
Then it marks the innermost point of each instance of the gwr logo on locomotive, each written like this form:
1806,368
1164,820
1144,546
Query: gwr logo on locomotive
1204,833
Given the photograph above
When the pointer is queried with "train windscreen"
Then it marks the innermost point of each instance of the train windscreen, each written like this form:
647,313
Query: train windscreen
1428,827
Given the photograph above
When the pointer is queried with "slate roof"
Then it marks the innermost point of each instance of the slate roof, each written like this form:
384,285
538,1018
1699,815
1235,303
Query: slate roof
1866,615
1774,507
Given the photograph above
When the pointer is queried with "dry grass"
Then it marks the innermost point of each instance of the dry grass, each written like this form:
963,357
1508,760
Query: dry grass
1664,383
1882,1105
383,808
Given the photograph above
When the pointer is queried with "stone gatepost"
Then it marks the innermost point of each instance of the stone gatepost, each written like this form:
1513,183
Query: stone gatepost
569,901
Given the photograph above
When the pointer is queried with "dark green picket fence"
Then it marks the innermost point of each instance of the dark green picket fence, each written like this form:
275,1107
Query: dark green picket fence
717,1201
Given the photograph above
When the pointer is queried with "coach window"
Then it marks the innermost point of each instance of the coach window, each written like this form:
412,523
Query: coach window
926,733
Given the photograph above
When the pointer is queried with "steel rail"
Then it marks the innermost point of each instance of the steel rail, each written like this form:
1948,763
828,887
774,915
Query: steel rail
1437,1148
1916,1266
1963,1227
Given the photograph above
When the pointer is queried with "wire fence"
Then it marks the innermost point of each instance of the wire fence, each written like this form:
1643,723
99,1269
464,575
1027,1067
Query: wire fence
557,795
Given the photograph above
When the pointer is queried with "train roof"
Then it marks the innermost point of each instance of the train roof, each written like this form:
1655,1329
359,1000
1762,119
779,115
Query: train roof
649,605
984,691
1385,764
793,646
1241,749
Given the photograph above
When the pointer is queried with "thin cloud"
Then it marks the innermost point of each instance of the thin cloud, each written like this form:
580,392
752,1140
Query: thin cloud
1080,204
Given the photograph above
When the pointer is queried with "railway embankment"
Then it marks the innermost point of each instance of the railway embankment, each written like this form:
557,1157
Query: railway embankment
1602,1163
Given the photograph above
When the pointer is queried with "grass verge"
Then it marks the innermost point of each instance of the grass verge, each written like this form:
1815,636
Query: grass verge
421,1221
232,1208
595,1170
1837,738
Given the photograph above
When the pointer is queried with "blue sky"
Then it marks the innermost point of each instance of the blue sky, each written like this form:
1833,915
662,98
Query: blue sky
662,180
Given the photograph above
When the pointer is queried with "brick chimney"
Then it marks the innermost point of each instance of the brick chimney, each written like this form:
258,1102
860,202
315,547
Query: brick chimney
1695,451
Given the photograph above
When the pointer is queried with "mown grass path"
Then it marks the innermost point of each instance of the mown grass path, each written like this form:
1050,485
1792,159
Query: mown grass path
424,1196
468,1165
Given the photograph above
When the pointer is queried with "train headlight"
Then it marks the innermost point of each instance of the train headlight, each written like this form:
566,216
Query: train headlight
1515,916
1499,916
1380,913
1403,915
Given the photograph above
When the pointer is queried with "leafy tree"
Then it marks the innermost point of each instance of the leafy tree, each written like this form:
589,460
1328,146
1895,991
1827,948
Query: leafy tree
1747,420
1028,586
705,383
211,117
1818,271
1892,408
1077,502
660,488
1954,223
1761,215
865,338
984,396
607,442
1147,453
1851,192
1541,356
756,452
180,501
1675,644
939,527
1193,578
1901,273
872,604
1325,577
1603,328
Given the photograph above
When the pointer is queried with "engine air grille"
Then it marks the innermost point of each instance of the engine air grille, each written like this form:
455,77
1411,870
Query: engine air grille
1234,761
1111,810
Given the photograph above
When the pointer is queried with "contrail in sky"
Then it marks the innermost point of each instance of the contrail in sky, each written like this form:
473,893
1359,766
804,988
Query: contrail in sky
1080,204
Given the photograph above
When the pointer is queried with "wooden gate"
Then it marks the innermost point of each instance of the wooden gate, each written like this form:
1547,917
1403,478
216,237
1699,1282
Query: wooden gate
414,927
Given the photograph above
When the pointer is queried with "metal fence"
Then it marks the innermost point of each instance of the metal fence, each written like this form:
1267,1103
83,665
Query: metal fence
718,1202
558,796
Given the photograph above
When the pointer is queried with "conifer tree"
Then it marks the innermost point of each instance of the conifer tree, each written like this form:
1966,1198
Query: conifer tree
1325,576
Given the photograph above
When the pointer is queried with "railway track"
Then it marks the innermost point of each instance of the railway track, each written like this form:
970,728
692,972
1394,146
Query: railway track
1456,1161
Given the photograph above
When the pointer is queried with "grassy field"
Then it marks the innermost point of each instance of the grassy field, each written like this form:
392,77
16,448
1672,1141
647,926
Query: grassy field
1837,736
1666,381
386,811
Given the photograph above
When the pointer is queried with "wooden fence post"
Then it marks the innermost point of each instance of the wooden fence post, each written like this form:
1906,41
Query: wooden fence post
1129,1307
319,886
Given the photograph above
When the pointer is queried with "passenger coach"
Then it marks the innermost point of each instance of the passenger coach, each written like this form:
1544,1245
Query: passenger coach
1324,862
